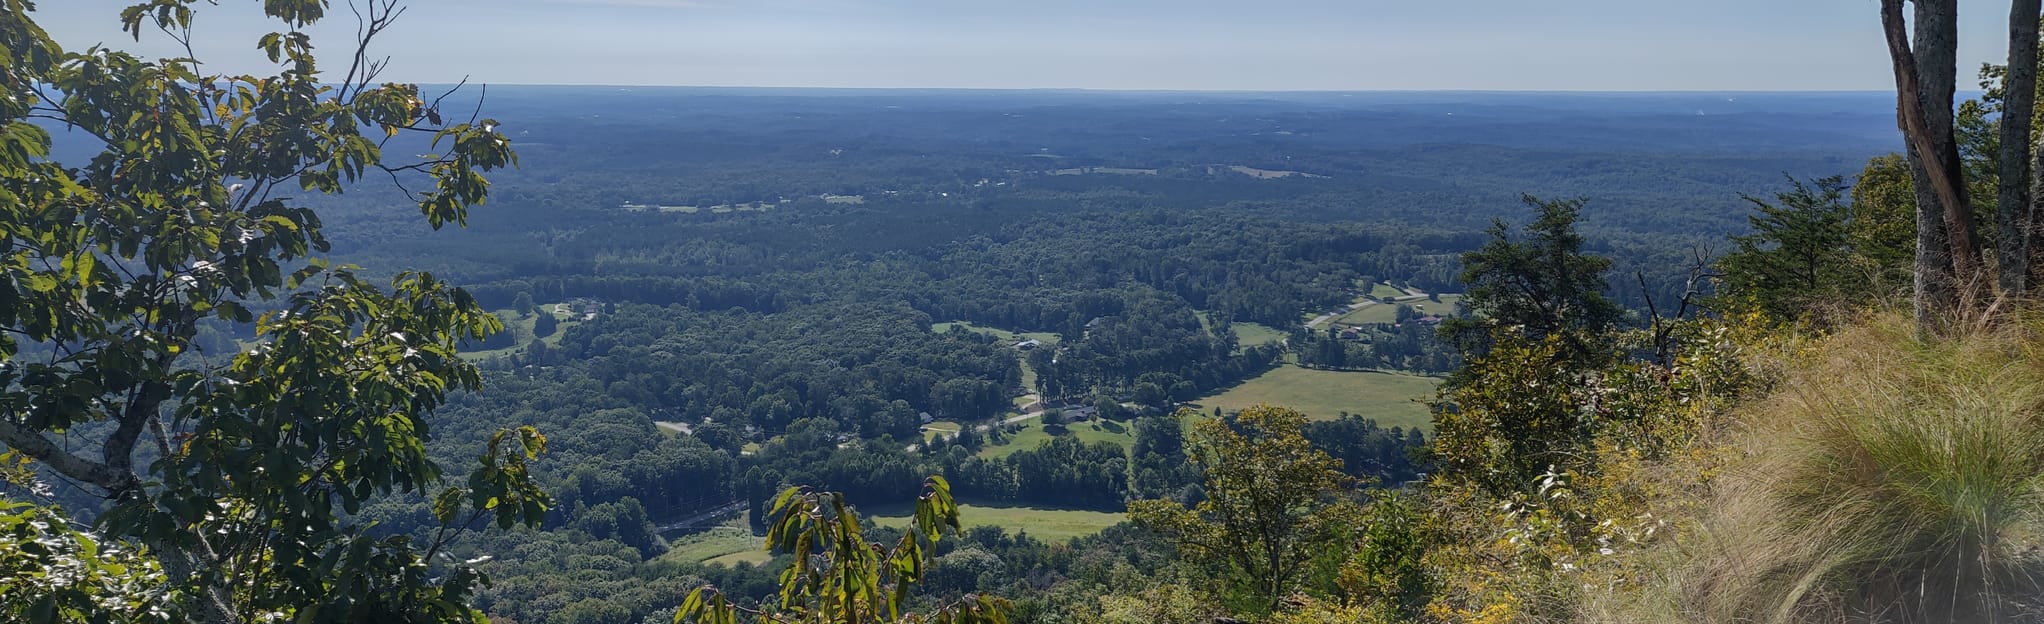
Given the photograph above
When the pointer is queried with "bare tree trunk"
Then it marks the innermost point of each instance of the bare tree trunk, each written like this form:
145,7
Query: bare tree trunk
2035,236
2018,108
1926,74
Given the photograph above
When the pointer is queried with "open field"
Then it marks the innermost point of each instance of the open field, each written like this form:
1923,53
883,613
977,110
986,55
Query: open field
757,557
1104,170
1369,314
1390,398
1032,435
1381,289
1254,334
1445,308
724,544
1246,334
1270,174
1388,313
522,328
1044,337
940,428
1040,522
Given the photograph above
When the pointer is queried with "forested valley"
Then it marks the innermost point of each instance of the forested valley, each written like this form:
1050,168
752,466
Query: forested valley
701,354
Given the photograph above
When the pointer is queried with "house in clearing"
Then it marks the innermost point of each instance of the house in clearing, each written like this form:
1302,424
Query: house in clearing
1028,345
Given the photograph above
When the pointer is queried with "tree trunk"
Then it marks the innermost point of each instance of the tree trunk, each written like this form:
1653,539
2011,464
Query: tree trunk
2018,107
1926,74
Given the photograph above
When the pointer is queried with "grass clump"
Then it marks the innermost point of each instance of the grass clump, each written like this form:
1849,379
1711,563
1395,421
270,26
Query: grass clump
1887,479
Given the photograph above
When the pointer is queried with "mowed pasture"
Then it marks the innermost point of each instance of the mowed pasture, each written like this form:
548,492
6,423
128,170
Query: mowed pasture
1034,435
1047,524
1255,334
1005,335
522,328
1393,399
1246,334
725,545
730,544
1388,313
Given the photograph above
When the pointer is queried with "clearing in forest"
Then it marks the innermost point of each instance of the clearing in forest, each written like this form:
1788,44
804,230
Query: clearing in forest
1387,313
521,328
1044,523
721,545
1393,399
1034,435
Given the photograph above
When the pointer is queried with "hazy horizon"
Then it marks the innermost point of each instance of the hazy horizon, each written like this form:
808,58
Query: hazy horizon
1610,46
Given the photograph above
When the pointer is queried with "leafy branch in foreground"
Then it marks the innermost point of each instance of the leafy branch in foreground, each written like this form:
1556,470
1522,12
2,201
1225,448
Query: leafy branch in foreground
238,473
837,577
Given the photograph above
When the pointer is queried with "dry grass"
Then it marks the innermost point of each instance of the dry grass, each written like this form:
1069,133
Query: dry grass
1888,479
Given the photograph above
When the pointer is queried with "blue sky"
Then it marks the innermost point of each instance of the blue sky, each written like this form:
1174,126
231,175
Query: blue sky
1107,44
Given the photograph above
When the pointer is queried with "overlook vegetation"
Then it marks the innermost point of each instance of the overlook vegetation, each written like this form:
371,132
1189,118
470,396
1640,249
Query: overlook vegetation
1036,357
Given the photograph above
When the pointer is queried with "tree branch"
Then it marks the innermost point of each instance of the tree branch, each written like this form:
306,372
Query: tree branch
41,449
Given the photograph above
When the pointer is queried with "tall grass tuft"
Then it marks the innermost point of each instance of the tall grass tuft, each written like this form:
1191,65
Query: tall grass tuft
1889,479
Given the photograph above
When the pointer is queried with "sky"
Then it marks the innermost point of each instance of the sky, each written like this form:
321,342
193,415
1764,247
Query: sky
1589,45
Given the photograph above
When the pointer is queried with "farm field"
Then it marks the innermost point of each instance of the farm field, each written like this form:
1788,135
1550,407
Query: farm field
1246,334
939,428
522,328
1255,334
1388,313
1033,435
1390,398
725,544
1044,337
1040,522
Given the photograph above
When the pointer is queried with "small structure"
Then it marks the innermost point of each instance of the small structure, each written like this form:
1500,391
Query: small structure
1028,345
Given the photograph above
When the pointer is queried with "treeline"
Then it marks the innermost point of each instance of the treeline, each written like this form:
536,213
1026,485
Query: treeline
875,368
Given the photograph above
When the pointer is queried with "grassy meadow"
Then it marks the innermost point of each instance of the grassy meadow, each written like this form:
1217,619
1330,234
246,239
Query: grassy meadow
1043,523
1393,399
1033,435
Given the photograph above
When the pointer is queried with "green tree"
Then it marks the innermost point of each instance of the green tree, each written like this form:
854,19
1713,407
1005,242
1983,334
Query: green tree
1544,286
1273,502
1799,253
523,304
1882,228
545,325
57,572
240,475
836,577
